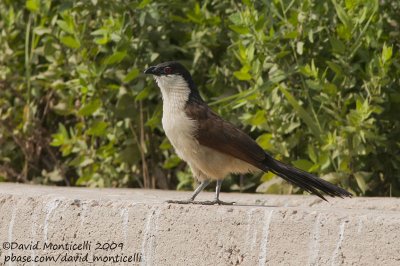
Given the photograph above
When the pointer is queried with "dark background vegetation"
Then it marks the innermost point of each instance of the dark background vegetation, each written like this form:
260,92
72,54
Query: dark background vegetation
315,82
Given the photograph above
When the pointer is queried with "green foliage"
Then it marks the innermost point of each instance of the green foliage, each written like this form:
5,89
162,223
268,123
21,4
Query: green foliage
315,82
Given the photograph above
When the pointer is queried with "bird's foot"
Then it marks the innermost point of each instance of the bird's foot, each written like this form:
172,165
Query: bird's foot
214,202
206,202
220,202
189,201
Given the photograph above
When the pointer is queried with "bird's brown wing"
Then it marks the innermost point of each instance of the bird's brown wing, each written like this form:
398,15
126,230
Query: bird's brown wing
218,134
224,137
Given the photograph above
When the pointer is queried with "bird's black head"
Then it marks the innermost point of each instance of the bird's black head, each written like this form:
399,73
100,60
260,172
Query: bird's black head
165,72
168,68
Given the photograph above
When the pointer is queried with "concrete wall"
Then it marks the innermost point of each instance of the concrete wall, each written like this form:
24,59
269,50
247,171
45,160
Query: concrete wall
45,223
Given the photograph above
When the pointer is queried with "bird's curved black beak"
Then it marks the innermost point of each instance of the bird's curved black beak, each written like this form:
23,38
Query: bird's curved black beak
151,71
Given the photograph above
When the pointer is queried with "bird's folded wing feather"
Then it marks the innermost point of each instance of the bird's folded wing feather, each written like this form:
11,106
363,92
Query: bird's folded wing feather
218,134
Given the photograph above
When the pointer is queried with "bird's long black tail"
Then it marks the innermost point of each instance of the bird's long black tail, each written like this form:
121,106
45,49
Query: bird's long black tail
303,179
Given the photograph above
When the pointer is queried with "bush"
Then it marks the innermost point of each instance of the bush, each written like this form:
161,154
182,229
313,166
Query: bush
315,82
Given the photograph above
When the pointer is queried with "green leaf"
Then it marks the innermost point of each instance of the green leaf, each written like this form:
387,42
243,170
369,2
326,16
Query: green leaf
42,30
271,186
185,180
361,178
101,32
267,176
81,160
165,145
235,18
242,75
310,70
61,137
65,26
334,177
98,128
247,2
265,141
301,112
337,45
82,180
387,53
143,4
315,85
58,140
335,67
129,155
115,58
32,5
124,106
102,40
276,75
324,160
356,45
143,94
70,42
155,120
54,176
89,108
303,164
258,119
260,25
239,29
291,35
131,75
342,15
330,88
311,153
171,162
344,32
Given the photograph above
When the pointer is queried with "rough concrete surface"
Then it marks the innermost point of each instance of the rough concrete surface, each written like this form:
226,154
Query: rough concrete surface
69,226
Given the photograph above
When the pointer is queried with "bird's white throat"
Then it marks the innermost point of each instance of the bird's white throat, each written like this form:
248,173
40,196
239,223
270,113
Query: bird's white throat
175,92
178,127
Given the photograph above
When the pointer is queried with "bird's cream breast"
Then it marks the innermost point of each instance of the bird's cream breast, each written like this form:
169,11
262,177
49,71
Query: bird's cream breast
180,132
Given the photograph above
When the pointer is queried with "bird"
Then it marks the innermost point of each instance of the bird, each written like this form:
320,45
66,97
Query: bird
213,147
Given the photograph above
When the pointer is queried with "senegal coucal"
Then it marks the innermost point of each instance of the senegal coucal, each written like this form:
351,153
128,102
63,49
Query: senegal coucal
213,147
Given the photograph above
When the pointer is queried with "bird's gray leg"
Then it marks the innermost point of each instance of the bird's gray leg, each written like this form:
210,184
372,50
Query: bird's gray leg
217,190
200,188
216,199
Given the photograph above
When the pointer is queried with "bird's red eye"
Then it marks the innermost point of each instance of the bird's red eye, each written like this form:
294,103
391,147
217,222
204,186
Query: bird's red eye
167,70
